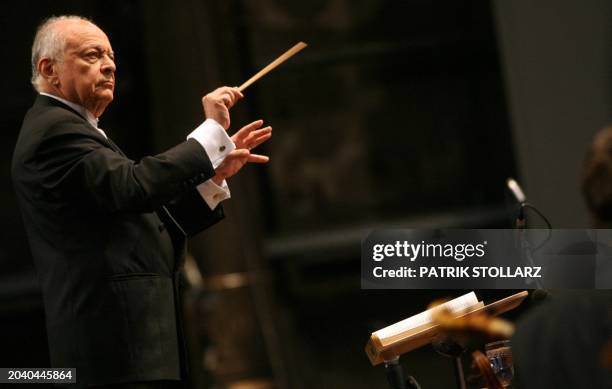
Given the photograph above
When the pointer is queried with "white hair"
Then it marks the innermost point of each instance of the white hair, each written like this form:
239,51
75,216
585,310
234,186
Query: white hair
49,42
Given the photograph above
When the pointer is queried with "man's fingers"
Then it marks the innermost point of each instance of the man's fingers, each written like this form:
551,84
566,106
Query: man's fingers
259,140
252,126
233,93
254,136
256,158
263,131
237,94
236,160
232,90
227,100
229,96
238,153
217,103
245,131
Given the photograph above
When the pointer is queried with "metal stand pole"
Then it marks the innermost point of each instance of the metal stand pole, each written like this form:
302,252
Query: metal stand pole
395,374
449,346
459,373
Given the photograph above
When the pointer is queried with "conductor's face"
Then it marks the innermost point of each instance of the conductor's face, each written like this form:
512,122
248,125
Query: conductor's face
87,73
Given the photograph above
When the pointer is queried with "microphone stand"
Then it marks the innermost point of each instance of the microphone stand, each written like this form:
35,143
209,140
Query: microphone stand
459,372
395,376
525,246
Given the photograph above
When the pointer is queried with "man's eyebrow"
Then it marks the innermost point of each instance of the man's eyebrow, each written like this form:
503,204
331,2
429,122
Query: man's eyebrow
98,48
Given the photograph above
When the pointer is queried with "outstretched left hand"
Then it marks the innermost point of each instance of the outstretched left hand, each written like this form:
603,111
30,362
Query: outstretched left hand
251,135
246,139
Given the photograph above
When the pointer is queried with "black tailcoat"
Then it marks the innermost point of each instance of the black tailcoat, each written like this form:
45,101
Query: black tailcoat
107,236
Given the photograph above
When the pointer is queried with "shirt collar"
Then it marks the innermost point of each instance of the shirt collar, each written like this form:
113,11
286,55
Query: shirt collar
91,119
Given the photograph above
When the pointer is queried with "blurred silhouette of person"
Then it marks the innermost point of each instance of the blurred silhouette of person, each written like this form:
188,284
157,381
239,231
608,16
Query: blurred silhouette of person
562,343
597,179
567,341
597,191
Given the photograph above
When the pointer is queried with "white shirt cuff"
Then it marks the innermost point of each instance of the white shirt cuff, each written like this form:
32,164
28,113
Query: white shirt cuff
215,141
212,193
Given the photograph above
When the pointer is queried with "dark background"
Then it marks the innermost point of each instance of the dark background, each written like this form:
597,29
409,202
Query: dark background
399,113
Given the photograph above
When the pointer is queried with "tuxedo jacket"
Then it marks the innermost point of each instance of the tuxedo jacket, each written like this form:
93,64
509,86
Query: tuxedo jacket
108,235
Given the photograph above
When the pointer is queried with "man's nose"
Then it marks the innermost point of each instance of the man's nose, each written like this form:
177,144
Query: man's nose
108,65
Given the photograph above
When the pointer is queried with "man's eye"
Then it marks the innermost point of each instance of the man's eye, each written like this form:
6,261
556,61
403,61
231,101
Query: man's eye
92,55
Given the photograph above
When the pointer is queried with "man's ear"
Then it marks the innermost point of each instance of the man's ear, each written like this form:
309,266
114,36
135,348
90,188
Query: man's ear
48,70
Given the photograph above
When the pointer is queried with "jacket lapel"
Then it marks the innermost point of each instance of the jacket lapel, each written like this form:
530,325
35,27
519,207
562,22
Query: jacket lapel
43,100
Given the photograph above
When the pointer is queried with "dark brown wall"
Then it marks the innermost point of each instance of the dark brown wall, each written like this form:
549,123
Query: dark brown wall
395,113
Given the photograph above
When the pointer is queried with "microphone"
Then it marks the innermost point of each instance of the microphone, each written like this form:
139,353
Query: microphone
516,190
520,197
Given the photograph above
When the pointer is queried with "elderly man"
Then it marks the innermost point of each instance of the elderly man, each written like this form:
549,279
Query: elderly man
108,234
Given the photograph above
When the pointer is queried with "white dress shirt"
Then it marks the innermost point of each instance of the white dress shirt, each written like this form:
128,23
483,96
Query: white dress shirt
213,137
91,119
210,134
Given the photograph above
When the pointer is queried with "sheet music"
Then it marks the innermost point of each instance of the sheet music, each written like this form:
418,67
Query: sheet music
457,305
